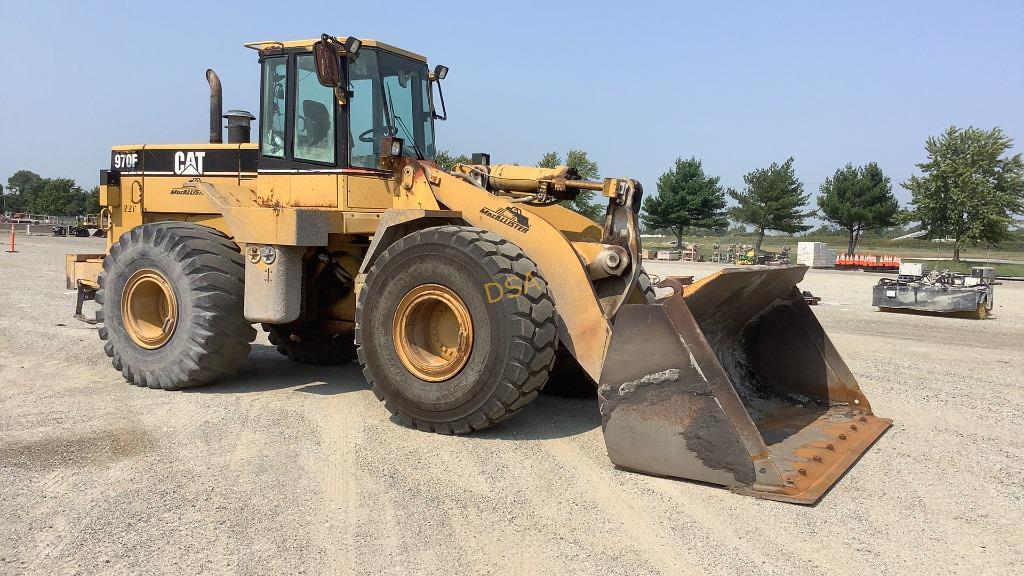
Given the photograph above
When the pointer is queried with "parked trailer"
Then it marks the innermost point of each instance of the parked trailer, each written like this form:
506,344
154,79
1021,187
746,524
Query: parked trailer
944,293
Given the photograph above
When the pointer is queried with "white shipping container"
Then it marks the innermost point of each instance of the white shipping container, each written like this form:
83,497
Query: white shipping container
815,255
912,269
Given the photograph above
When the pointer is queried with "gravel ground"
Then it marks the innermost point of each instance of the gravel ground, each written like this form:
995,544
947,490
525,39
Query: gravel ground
289,469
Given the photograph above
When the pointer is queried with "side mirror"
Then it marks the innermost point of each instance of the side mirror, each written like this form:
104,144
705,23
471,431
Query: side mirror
328,71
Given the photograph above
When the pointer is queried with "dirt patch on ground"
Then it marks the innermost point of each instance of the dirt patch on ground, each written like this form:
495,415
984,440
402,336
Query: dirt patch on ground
58,450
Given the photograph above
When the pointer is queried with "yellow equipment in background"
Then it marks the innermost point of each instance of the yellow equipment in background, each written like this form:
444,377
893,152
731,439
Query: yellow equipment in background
747,258
455,290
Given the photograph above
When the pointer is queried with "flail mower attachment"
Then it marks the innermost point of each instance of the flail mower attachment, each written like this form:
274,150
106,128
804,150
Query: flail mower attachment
734,382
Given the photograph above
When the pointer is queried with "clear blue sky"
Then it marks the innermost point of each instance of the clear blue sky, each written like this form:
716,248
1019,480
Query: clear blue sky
737,84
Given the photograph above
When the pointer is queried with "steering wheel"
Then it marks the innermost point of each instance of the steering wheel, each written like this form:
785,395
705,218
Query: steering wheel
367,135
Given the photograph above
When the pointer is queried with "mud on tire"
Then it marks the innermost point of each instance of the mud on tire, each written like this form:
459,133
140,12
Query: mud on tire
514,336
211,337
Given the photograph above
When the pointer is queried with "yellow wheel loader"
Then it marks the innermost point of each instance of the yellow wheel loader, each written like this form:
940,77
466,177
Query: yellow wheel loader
456,289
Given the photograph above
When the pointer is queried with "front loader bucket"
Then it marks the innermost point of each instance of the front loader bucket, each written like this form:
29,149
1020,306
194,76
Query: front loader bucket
735,383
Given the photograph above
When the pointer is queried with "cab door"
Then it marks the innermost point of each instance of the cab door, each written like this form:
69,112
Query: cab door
299,159
367,187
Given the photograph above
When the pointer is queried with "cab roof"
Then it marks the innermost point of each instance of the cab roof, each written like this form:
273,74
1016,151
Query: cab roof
308,45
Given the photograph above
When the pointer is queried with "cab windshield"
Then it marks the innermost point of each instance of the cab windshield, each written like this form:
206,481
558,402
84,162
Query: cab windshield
389,98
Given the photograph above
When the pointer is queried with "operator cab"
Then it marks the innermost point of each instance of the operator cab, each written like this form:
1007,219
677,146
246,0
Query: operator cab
312,121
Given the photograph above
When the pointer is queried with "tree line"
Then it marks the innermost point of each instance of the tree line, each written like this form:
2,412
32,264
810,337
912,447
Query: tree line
970,190
29,192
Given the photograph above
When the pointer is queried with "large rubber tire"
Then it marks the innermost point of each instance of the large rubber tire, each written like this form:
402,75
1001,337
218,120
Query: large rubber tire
205,270
514,341
311,348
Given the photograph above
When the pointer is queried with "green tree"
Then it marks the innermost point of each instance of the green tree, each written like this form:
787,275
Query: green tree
30,192
969,189
550,160
858,199
687,198
23,179
18,186
587,169
55,196
772,200
446,161
89,202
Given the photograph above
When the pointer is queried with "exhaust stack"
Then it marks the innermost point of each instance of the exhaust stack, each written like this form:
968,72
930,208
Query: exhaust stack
239,124
216,107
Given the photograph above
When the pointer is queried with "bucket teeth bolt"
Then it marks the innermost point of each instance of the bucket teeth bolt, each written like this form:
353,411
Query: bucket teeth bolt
842,436
853,426
830,447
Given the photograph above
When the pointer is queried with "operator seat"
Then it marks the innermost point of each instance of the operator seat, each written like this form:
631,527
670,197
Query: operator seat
316,123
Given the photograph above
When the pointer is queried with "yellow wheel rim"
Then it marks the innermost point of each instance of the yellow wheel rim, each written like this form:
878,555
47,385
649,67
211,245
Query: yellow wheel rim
433,332
149,308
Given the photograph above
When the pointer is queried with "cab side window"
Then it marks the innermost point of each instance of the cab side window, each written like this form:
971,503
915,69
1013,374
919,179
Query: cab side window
275,90
314,114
